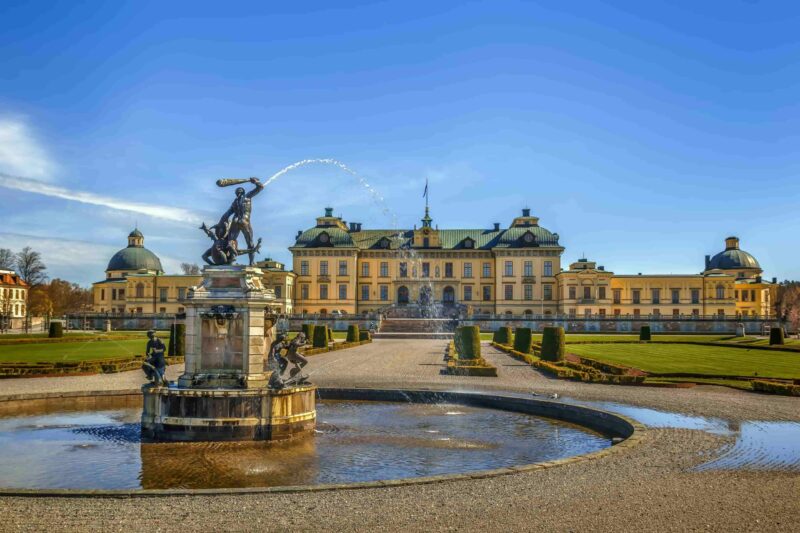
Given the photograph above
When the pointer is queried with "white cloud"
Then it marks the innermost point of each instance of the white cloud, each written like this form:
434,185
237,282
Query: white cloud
175,214
21,153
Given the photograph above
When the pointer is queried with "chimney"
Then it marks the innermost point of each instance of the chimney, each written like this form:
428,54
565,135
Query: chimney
328,211
758,279
497,226
601,267
299,232
708,261
526,212
774,281
358,228
353,227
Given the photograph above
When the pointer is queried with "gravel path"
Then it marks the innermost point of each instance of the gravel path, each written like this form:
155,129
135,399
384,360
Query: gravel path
650,487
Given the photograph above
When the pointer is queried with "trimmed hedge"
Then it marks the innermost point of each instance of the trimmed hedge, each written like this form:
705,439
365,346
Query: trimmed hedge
523,340
333,347
468,342
775,336
502,335
553,344
56,330
364,336
775,387
353,334
179,340
644,333
330,333
320,339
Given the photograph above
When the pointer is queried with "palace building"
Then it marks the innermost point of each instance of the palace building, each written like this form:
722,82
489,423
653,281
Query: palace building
514,271
135,283
13,295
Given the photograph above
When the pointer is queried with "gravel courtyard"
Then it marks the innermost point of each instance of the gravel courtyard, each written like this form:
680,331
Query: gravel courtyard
650,487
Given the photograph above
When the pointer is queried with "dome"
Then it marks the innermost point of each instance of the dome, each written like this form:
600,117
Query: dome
135,258
136,233
732,258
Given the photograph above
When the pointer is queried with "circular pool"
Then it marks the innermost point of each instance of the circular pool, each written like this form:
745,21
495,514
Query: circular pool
355,441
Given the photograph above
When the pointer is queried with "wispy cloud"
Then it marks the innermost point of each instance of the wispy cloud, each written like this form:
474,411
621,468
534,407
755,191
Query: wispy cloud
175,214
20,152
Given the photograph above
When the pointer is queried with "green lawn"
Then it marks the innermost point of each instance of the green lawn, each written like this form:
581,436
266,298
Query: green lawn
687,358
73,351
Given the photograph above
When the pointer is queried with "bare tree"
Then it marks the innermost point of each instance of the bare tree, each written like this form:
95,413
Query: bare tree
34,272
8,259
190,269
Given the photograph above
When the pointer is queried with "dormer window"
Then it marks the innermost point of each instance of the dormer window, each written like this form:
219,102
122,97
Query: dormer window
384,243
469,243
324,239
529,238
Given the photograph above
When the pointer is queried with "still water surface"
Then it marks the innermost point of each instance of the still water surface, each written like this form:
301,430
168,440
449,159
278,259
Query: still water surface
354,441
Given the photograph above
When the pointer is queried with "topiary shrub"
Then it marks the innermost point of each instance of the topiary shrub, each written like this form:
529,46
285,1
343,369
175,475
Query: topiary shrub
308,330
468,342
503,335
364,336
775,336
320,337
171,343
352,333
644,333
57,330
553,344
523,340
330,333
179,340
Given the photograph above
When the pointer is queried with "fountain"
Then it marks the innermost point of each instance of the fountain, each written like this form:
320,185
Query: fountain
225,392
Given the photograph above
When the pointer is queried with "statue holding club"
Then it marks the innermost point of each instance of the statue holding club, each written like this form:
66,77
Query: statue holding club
235,220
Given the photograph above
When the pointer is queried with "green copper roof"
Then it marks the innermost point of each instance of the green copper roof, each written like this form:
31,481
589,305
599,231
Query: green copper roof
135,258
733,259
315,237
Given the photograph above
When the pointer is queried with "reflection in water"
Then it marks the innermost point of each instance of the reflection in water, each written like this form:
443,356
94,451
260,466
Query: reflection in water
355,441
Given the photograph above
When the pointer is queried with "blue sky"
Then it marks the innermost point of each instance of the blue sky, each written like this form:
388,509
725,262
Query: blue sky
643,133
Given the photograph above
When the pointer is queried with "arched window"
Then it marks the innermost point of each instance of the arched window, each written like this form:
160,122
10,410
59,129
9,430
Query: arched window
720,292
140,290
528,313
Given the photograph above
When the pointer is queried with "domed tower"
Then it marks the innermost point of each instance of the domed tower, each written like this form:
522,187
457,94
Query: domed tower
734,261
133,259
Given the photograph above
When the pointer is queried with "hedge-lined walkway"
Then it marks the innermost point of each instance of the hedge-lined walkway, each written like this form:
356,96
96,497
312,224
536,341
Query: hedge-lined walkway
650,487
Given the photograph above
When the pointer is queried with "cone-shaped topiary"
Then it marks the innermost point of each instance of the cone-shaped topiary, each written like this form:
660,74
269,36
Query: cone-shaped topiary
308,330
180,340
644,333
364,336
553,344
468,342
775,336
503,335
330,333
320,337
523,340
352,333
56,329
171,344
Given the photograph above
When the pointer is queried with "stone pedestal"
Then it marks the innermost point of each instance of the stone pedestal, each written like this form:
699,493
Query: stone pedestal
222,393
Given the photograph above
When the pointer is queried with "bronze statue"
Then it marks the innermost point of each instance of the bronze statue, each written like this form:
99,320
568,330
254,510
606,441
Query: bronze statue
236,219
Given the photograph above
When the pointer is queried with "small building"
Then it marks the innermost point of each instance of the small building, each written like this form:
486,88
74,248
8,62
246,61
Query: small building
13,298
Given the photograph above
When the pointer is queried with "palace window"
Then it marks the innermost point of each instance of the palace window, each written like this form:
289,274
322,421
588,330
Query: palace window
448,270
487,293
162,310
656,313
528,292
487,270
587,293
573,293
384,273
102,293
602,313
745,296
601,293
637,296
323,291
343,291
426,242
509,292
617,313
365,292
384,292
695,313
617,295
426,270
139,290
656,295
509,268
323,268
548,268
467,293
181,293
587,313
304,268
342,268
720,313
637,313
676,296
403,270
548,292
676,313
720,292
121,294
304,292
278,291
162,295
695,296
527,269
572,312
467,270
364,270
753,295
